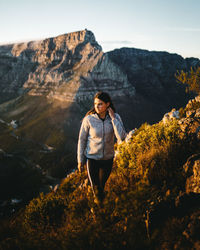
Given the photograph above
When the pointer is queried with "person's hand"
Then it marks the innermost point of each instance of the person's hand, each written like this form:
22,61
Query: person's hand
111,113
80,167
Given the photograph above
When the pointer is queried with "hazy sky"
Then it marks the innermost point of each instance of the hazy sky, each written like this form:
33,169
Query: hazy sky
161,25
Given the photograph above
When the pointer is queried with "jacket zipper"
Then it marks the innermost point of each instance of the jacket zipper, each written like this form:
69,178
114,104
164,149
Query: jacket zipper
103,138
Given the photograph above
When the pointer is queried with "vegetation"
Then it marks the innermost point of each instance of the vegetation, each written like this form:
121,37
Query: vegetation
147,176
191,79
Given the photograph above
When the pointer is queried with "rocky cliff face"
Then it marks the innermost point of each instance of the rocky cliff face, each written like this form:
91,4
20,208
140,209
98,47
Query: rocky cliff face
69,67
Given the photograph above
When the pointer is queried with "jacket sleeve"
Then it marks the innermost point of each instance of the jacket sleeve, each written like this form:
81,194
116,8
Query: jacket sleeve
118,127
82,141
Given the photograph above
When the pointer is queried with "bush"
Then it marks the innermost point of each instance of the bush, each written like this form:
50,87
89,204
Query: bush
191,79
155,155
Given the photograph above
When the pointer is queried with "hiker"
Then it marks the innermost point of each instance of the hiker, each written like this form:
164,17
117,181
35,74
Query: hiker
96,142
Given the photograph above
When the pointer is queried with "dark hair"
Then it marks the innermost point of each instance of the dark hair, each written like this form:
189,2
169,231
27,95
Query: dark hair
103,96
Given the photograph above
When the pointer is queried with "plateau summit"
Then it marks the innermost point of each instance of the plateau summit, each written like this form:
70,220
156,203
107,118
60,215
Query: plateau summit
69,67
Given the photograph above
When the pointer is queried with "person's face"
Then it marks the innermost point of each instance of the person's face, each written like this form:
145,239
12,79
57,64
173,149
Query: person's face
100,106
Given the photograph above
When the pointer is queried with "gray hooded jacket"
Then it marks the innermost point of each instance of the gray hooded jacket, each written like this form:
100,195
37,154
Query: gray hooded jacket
96,137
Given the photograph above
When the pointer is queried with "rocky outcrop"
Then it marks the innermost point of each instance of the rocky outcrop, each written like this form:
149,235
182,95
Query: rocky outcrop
190,125
173,114
192,171
191,122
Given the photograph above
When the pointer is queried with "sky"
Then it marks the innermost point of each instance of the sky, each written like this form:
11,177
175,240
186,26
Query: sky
159,25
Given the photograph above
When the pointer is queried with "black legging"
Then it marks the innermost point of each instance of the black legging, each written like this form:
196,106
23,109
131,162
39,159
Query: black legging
98,173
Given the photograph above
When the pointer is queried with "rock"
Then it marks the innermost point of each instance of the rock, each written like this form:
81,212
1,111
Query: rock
190,125
130,134
192,171
190,113
14,124
174,114
15,201
197,98
193,102
197,114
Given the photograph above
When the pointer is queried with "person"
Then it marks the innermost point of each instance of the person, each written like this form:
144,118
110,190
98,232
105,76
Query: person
96,142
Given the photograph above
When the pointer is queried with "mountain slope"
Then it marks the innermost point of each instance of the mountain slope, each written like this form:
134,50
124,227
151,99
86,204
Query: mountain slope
153,73
152,199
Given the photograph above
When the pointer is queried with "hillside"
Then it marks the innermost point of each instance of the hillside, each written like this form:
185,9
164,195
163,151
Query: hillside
152,199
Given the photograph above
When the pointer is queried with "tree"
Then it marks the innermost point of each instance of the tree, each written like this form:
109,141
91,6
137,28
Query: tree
191,79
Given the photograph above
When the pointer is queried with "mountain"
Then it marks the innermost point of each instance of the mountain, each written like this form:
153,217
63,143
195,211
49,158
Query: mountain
150,72
68,67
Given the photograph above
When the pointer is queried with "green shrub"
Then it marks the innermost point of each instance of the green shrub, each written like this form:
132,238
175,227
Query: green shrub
155,155
145,147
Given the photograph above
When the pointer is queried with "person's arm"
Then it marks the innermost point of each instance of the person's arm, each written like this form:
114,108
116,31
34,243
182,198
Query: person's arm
118,126
82,143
